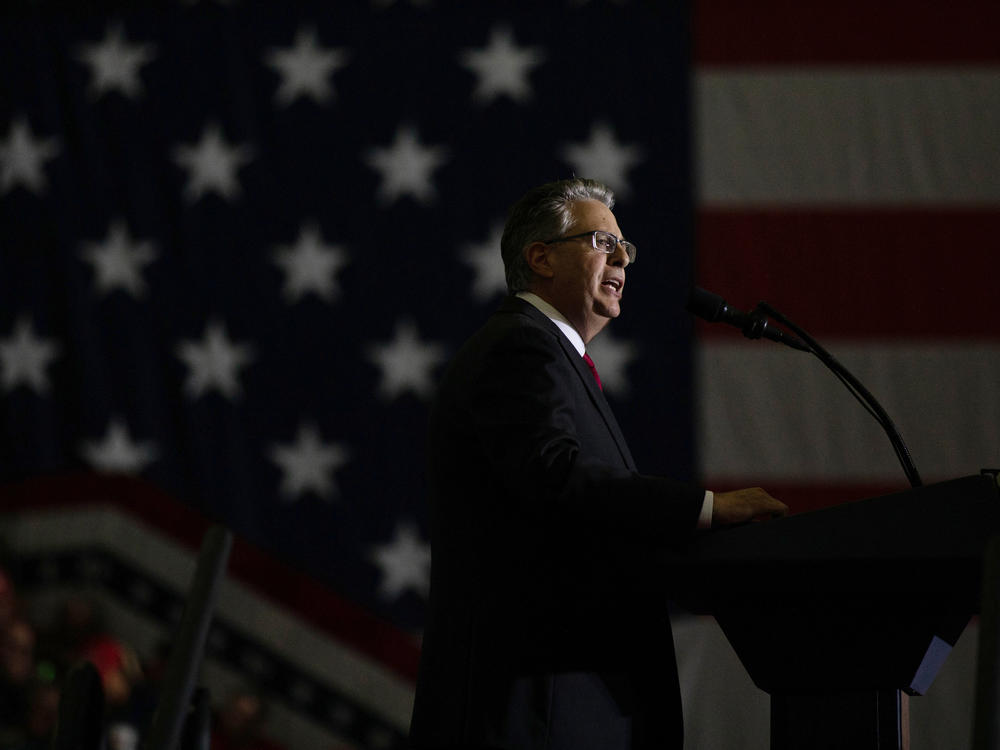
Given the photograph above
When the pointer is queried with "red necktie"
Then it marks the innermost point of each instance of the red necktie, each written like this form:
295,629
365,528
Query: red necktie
593,370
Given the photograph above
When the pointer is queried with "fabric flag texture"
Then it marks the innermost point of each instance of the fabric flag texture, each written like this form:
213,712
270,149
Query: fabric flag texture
238,242
847,172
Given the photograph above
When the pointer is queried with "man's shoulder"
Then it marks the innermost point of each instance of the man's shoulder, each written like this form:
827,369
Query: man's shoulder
515,320
515,316
514,329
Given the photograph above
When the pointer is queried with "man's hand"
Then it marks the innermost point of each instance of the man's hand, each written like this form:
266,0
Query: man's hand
744,505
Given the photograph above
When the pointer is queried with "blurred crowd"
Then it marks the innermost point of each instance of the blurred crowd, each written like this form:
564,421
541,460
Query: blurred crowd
36,657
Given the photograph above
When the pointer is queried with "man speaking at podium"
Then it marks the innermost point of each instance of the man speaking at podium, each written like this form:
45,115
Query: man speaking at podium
546,628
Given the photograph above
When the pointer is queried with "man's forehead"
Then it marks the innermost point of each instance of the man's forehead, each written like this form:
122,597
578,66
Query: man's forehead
593,214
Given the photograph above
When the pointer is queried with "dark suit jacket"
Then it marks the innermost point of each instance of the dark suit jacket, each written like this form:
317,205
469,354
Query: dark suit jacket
547,625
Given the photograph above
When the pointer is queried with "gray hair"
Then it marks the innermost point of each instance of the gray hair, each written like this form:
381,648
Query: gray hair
543,213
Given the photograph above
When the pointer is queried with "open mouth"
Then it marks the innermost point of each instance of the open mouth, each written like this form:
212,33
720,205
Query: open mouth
613,284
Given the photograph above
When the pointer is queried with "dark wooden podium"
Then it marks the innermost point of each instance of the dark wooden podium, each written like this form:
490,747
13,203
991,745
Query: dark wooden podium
840,614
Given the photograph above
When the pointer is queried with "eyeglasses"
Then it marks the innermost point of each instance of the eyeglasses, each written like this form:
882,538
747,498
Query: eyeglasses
603,241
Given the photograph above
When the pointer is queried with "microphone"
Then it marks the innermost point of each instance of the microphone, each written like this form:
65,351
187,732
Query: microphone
714,309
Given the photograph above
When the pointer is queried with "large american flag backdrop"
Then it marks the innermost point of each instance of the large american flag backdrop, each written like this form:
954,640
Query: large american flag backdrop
239,242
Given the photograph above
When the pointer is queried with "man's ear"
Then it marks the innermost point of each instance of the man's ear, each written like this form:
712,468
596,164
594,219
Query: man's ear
537,255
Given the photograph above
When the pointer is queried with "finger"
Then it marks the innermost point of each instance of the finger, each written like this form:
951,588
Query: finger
772,509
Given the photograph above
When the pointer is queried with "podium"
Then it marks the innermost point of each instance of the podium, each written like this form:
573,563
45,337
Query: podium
840,614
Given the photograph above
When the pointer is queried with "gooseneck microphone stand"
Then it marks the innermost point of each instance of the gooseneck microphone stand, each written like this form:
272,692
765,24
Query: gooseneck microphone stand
862,394
754,325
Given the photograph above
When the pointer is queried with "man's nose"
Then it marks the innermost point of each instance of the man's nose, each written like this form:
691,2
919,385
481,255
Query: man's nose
619,257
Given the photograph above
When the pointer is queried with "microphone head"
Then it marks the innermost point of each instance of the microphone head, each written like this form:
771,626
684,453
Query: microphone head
705,304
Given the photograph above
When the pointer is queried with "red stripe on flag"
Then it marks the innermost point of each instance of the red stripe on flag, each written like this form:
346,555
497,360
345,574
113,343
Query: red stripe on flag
920,274
848,31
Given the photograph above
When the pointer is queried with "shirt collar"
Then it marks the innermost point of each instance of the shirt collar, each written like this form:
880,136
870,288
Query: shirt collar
556,317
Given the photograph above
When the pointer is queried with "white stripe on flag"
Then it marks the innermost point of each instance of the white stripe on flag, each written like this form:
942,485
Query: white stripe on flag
766,413
847,136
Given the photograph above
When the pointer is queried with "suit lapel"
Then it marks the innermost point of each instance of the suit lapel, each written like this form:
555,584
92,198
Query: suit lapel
597,398
514,304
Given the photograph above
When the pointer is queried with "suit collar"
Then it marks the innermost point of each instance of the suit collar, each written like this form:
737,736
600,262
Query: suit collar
517,305
556,317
